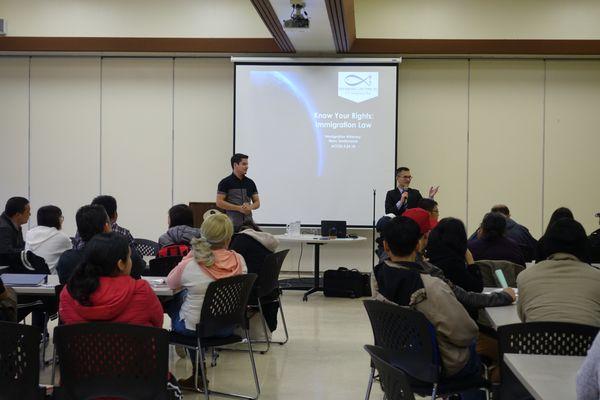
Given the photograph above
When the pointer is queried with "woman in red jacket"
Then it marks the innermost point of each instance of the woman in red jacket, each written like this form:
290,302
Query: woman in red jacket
101,288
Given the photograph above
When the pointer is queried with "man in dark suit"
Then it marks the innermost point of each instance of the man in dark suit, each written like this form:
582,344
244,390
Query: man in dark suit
403,197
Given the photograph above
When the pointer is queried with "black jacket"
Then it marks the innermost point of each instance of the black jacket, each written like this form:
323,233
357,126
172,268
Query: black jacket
11,241
393,196
70,259
253,252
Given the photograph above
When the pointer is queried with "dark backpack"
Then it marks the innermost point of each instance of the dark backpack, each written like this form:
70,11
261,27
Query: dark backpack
27,262
344,282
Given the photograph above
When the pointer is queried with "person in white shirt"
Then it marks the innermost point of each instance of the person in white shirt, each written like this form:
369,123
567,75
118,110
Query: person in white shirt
47,240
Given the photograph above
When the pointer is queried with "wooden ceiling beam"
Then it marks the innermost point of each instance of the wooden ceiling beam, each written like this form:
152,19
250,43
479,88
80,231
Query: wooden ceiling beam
343,23
139,45
271,20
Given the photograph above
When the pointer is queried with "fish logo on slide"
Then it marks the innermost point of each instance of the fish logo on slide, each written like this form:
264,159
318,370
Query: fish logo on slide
358,86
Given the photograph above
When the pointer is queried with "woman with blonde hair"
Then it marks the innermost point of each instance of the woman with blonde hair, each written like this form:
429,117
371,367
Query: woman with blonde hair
208,260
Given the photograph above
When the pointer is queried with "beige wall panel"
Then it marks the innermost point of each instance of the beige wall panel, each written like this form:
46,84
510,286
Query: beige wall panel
203,127
136,141
476,19
572,140
432,129
14,130
133,18
505,140
65,134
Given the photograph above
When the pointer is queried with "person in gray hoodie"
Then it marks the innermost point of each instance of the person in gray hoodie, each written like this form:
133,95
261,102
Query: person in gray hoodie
47,240
181,220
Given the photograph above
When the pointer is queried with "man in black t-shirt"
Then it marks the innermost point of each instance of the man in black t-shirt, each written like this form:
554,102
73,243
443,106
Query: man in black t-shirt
237,194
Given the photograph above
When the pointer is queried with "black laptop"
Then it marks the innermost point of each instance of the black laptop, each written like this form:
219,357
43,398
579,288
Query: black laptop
333,228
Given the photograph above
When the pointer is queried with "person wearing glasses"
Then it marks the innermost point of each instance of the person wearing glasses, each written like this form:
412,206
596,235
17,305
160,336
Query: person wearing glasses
47,240
404,197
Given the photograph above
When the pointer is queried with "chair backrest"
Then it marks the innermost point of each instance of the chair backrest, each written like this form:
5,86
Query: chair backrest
509,269
146,247
224,306
549,338
407,332
19,361
162,266
268,276
395,384
112,360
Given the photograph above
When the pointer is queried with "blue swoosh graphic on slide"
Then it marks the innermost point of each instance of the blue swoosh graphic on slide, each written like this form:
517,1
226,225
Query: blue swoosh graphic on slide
300,94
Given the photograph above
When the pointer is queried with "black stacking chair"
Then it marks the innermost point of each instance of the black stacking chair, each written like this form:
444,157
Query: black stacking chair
394,382
267,283
223,310
112,360
146,248
409,334
20,362
548,338
162,266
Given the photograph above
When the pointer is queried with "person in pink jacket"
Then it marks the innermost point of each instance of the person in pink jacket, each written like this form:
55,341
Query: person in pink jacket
208,260
101,288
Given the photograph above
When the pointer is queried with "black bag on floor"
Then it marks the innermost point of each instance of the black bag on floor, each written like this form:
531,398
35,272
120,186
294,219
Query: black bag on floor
343,282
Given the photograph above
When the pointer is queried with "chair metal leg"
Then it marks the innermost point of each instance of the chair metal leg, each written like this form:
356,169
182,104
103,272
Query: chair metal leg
54,359
265,328
370,384
254,373
287,337
434,391
202,371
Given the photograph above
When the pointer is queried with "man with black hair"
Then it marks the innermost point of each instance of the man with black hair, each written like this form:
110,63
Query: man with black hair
237,194
403,197
110,205
91,220
516,232
563,287
401,280
16,213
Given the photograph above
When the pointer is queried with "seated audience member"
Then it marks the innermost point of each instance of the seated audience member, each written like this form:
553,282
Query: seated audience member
491,242
559,213
208,260
447,250
101,287
518,233
16,213
595,245
255,245
47,240
400,280
181,231
472,301
91,220
431,206
588,377
562,288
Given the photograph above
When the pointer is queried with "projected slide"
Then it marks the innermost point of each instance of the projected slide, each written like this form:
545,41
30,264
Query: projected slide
320,139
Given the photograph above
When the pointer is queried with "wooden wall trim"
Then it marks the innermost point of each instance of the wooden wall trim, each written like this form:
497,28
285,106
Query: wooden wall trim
474,46
137,45
271,20
343,23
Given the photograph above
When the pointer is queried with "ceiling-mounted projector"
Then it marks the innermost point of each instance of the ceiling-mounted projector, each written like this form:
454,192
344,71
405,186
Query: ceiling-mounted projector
299,16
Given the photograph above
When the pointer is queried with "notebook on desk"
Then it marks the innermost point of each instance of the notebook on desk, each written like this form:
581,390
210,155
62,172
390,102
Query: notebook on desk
23,279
